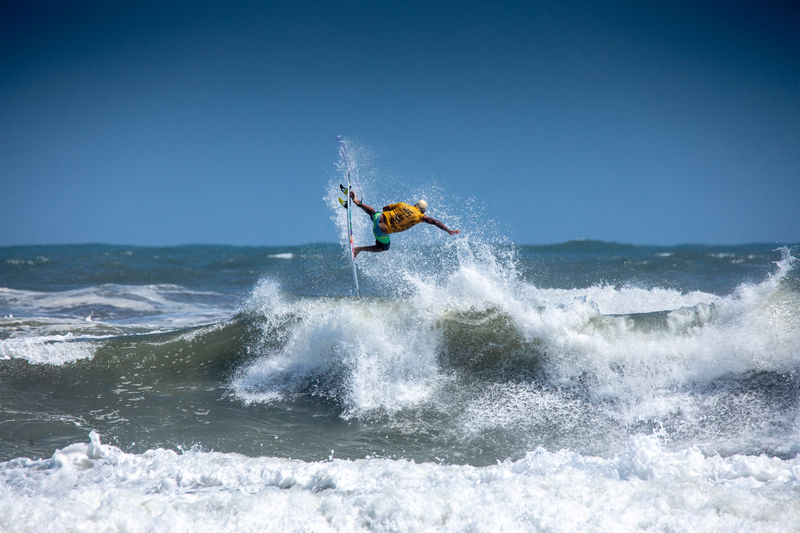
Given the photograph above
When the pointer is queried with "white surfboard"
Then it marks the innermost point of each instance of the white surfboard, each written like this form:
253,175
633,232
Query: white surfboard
343,152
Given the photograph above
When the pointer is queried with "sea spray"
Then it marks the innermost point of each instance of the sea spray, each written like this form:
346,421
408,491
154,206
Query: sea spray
365,357
658,359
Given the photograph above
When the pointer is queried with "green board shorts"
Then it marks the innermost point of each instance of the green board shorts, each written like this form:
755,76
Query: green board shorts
381,238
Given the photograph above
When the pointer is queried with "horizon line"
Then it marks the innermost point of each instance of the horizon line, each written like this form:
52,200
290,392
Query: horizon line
332,243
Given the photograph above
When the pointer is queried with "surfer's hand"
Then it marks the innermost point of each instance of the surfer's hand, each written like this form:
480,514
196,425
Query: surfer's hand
353,196
454,231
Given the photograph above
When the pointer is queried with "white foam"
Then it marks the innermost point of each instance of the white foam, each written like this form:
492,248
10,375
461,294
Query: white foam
758,327
93,486
367,356
286,255
39,260
49,349
612,300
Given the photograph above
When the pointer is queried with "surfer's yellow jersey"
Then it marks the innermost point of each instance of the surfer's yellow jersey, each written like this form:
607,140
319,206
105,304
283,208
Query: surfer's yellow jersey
400,217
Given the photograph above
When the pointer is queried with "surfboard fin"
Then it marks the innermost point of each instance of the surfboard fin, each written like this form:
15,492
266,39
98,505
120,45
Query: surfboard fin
346,192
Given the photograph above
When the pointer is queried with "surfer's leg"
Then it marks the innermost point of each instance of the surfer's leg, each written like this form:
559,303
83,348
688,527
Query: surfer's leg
377,247
358,249
381,238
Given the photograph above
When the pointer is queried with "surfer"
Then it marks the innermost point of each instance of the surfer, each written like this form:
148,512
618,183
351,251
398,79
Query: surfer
392,219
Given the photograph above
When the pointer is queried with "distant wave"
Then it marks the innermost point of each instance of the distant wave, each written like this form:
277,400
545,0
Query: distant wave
174,303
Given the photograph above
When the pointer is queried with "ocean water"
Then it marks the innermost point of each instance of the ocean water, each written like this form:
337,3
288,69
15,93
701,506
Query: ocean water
473,386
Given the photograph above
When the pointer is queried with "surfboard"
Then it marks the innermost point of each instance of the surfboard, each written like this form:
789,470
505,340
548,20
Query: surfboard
349,203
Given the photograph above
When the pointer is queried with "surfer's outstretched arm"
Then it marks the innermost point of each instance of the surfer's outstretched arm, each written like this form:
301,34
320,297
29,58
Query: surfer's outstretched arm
440,224
367,209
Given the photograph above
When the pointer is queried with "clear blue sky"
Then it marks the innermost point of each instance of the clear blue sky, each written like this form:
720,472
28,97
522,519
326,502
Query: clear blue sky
159,123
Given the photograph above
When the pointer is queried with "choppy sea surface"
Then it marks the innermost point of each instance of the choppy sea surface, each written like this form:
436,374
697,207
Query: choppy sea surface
472,386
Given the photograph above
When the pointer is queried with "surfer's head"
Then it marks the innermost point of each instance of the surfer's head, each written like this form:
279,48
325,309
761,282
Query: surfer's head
422,205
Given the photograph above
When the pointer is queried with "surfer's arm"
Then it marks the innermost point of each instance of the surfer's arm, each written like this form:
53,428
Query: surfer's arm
440,224
367,209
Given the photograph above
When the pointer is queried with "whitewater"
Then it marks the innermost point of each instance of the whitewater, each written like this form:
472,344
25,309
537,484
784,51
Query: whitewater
476,385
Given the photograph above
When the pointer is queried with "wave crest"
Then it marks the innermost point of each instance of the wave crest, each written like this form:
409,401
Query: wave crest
482,322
